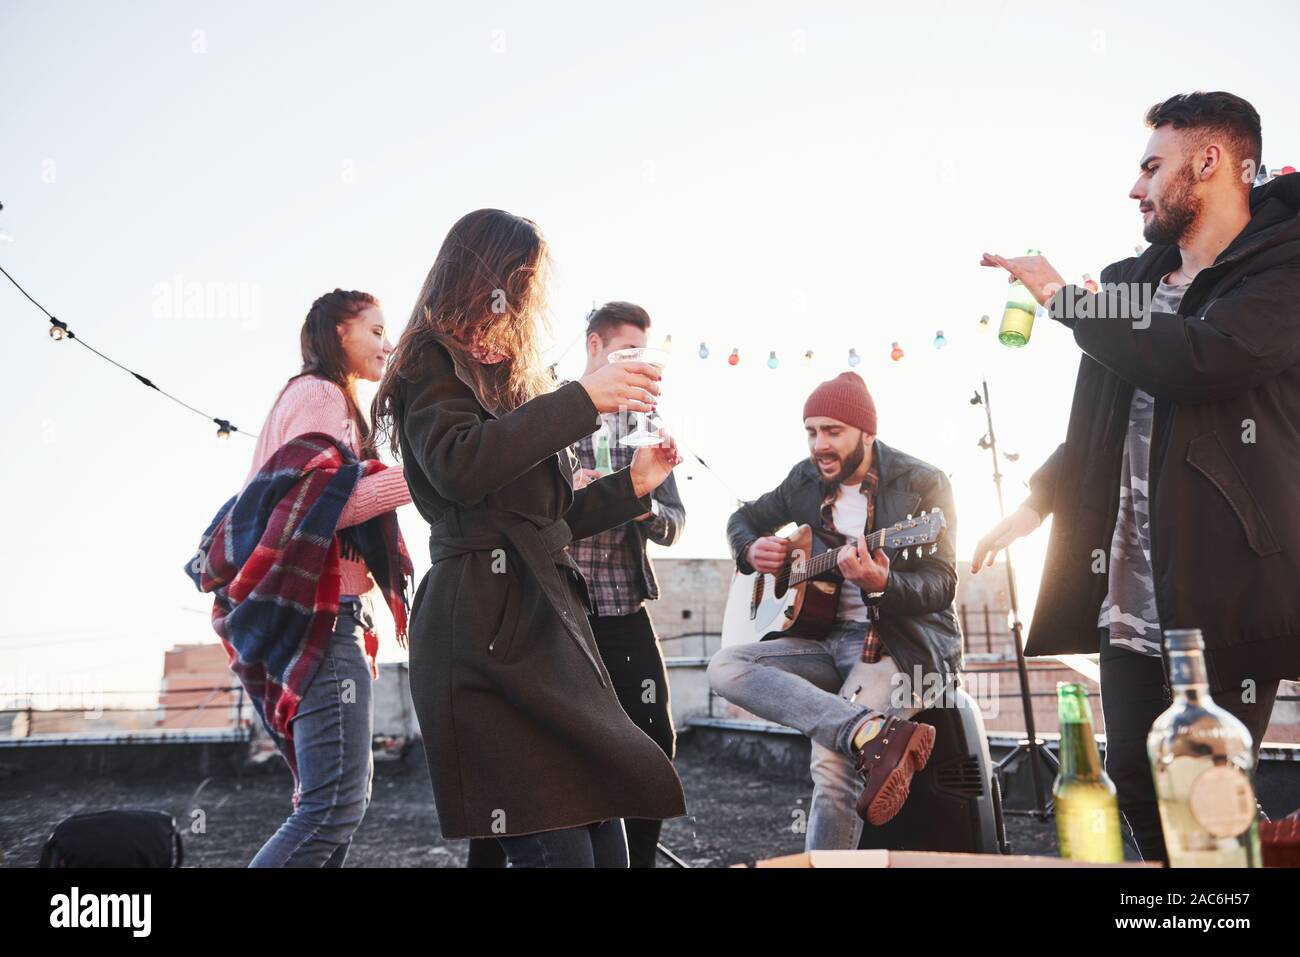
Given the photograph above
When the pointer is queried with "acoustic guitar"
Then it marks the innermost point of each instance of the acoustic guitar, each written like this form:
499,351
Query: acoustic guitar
802,598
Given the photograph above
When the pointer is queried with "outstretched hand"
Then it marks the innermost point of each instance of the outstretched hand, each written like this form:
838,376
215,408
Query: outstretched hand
1016,525
1039,276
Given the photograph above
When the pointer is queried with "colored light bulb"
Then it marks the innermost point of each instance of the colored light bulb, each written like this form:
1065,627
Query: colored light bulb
939,340
704,351
896,352
854,358
734,358
772,360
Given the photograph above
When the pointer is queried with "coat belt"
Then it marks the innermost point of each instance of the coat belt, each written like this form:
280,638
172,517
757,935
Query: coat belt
539,542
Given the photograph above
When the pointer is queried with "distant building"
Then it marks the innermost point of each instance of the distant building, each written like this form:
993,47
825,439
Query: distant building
198,688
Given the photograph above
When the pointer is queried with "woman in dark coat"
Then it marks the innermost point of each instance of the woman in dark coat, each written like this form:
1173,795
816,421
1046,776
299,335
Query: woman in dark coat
525,737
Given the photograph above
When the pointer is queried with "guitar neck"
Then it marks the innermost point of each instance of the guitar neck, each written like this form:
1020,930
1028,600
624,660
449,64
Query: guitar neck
828,561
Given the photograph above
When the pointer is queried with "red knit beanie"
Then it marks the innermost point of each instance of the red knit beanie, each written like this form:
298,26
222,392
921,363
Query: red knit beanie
845,398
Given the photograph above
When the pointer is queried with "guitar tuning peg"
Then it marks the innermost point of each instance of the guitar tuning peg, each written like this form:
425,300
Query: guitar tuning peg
905,554
909,516
934,548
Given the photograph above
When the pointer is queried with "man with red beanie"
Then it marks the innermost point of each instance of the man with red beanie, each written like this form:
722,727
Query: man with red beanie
852,691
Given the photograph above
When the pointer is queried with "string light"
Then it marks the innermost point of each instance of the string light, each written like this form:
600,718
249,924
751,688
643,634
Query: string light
984,323
807,357
772,360
1090,284
896,353
59,331
854,359
704,351
734,358
939,340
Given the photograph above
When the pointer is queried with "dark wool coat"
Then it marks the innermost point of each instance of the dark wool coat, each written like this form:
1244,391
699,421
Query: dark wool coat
522,728
1225,451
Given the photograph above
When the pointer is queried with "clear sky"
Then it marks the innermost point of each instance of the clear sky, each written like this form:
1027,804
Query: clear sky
779,176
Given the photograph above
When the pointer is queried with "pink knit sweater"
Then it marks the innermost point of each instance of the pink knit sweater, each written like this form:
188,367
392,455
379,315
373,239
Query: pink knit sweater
312,404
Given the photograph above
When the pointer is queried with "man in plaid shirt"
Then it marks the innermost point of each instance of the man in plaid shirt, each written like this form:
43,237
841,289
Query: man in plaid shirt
853,690
619,574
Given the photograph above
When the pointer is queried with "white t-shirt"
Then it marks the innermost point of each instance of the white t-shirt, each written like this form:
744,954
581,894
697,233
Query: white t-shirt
850,515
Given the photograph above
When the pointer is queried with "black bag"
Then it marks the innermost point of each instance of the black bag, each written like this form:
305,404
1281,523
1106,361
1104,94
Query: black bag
128,838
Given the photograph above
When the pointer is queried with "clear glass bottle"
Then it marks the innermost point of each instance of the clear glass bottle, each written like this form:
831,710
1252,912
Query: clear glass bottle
1203,765
1087,813
1018,315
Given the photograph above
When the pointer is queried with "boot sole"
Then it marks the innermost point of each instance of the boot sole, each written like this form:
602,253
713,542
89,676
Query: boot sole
893,793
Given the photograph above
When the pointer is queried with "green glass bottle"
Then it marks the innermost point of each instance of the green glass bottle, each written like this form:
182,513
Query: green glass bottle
1018,316
1203,762
603,465
1087,814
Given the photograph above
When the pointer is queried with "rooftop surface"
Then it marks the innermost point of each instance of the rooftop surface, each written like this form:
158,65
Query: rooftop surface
738,813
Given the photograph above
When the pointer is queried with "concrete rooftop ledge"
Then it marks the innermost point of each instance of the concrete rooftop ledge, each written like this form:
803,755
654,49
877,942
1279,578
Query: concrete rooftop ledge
151,736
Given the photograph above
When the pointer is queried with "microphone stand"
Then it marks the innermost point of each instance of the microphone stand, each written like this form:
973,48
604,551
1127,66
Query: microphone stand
1031,746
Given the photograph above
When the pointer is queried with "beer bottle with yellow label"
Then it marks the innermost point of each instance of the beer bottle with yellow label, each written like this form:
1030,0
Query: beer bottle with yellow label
1087,813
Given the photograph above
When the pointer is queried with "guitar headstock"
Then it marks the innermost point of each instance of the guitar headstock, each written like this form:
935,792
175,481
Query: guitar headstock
916,531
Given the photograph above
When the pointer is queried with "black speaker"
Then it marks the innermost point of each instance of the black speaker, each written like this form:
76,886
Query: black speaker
125,838
951,803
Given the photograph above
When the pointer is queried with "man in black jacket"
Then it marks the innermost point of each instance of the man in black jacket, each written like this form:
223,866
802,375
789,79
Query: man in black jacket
895,632
1174,494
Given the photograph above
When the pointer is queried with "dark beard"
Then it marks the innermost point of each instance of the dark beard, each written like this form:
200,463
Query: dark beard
847,466
1181,209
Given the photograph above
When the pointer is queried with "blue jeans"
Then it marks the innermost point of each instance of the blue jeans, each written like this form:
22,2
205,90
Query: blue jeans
332,734
824,689
591,845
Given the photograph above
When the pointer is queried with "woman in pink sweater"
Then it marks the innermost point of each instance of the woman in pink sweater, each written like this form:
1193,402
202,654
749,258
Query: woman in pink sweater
342,341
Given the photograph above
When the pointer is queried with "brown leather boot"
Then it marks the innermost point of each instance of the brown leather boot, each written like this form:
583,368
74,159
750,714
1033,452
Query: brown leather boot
887,763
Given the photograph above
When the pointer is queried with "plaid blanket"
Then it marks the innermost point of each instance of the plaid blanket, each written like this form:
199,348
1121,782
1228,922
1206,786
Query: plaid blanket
270,557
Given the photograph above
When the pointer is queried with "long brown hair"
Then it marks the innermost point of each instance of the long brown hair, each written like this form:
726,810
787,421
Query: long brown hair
323,355
487,290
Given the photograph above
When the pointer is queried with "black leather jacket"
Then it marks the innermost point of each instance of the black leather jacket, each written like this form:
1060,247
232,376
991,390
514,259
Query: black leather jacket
918,625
